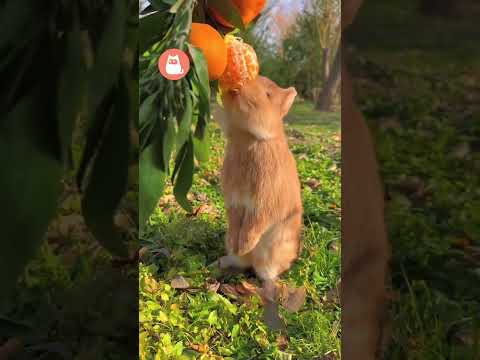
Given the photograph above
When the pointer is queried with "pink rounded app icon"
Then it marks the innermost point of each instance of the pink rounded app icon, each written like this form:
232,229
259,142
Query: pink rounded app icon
173,64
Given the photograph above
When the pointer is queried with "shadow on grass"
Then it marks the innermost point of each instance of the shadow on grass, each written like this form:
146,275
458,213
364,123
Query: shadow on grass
191,243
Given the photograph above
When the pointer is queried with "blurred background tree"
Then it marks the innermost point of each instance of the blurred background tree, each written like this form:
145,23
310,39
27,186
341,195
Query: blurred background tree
297,44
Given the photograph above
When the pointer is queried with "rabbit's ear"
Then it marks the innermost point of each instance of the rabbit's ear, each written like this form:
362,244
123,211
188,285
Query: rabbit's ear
288,97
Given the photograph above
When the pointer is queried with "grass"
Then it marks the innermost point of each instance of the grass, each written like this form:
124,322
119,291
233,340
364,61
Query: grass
207,322
425,117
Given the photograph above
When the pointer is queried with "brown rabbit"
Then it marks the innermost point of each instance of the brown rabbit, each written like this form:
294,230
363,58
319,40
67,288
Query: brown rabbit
261,186
365,247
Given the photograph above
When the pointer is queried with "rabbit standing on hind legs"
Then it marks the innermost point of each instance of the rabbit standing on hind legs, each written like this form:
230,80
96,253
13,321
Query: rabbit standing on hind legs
261,187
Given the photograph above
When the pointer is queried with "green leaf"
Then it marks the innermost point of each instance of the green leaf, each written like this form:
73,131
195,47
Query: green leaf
201,145
168,142
212,318
146,109
178,348
109,53
184,177
201,71
176,6
228,11
29,186
200,140
94,134
151,184
178,161
166,339
71,88
184,126
108,180
235,330
152,29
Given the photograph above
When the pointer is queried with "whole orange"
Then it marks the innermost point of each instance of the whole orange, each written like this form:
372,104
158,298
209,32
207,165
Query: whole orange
242,64
248,9
209,40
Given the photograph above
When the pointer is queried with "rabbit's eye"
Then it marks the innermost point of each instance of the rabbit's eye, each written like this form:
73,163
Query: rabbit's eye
269,94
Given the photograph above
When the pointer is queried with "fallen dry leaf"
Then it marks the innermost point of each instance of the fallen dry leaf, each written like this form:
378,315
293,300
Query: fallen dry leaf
203,182
212,285
334,246
151,285
328,356
201,348
202,197
194,290
143,252
203,209
332,296
295,134
293,298
245,288
313,184
161,251
282,342
179,282
333,167
166,199
123,221
229,290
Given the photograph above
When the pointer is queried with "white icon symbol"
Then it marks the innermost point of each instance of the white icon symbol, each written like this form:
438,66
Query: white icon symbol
173,66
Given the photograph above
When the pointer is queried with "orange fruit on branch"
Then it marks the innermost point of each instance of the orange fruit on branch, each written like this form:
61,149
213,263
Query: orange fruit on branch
242,64
209,40
248,10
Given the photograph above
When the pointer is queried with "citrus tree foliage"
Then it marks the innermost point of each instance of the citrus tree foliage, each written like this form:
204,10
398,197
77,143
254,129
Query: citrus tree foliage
61,61
173,115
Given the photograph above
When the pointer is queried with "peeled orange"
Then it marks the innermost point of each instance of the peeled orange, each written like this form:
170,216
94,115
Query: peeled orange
248,9
213,46
242,64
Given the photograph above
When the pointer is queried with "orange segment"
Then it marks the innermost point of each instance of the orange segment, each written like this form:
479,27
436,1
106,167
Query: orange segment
242,64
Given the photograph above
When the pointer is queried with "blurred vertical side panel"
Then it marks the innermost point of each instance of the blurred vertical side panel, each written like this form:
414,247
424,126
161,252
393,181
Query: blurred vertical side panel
414,86
69,179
